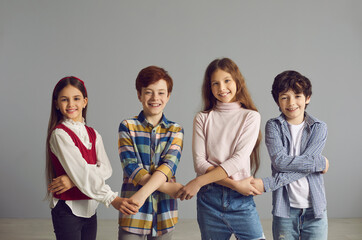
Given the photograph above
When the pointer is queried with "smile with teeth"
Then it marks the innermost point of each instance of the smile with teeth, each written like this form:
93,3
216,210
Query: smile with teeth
292,109
71,110
224,94
154,104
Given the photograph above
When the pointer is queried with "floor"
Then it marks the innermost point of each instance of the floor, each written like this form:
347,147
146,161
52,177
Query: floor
24,229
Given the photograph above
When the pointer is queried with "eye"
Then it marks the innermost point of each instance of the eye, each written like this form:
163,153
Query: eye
148,92
77,98
63,100
227,80
214,83
161,93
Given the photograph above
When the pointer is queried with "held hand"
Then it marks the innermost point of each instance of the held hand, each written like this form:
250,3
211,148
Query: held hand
327,166
60,184
245,187
188,191
126,205
258,184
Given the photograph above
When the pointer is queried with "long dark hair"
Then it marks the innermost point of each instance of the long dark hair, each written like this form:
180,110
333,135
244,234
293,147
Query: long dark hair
242,95
56,117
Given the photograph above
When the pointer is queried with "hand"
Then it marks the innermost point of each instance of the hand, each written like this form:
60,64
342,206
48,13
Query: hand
327,166
60,184
245,187
126,205
258,184
191,189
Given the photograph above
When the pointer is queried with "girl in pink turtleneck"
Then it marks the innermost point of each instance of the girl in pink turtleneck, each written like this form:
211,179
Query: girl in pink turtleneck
226,139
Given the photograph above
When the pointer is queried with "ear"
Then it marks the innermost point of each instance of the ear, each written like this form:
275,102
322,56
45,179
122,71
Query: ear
307,100
85,101
56,104
139,96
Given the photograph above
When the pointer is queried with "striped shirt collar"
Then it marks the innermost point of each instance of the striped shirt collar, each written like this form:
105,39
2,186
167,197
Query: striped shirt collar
308,119
141,117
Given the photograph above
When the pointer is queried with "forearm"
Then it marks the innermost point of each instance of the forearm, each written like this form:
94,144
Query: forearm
227,182
167,187
213,174
155,181
281,179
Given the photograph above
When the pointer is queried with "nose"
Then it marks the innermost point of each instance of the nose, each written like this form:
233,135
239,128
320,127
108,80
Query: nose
222,86
70,102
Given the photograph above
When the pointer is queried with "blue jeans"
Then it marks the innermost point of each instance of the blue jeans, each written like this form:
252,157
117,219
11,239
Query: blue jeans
222,212
300,225
67,226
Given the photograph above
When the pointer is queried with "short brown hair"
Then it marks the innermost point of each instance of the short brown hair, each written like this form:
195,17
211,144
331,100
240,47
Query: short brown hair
291,80
150,75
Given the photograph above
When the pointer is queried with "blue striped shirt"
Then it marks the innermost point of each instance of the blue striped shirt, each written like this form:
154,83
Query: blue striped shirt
287,169
144,149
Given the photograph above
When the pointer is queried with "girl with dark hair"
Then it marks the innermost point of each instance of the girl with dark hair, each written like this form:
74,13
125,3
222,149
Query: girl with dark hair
77,165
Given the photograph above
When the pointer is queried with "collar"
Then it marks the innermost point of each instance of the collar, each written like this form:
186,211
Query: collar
141,117
308,119
73,123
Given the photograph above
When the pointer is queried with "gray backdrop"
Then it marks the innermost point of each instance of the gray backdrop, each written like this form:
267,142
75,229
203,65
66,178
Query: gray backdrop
106,43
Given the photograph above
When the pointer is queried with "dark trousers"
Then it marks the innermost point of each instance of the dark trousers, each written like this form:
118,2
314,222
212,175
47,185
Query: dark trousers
67,226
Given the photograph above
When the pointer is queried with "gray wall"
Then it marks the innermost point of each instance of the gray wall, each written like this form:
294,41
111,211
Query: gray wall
106,43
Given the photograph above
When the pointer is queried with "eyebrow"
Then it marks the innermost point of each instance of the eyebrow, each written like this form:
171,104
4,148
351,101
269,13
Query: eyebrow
72,96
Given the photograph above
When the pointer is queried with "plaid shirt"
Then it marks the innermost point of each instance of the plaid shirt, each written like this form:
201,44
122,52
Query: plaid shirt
287,169
145,149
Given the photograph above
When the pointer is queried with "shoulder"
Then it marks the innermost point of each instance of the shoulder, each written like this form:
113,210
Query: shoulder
127,123
58,136
251,114
274,125
171,126
201,117
315,123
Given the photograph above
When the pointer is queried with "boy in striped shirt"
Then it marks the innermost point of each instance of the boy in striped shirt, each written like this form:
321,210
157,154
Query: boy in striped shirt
150,149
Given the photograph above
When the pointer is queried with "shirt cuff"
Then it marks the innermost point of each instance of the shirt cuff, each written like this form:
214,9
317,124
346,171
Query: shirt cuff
164,168
109,198
320,164
268,184
142,172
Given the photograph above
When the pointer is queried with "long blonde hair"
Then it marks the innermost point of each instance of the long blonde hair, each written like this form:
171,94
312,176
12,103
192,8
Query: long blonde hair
56,117
242,95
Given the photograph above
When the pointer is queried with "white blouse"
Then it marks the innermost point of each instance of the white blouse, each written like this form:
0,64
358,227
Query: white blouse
90,179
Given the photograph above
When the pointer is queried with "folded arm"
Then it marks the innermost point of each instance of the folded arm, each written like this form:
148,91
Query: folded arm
310,159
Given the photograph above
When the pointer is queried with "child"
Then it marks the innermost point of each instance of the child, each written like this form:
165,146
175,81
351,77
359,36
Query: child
226,139
77,165
150,149
295,141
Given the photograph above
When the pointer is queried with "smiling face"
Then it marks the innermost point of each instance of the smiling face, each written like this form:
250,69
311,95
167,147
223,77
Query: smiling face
293,105
154,98
71,102
223,86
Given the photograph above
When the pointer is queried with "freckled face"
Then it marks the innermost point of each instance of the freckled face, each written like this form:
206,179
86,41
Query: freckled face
154,98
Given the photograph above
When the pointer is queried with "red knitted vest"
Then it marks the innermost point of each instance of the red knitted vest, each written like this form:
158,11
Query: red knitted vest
90,157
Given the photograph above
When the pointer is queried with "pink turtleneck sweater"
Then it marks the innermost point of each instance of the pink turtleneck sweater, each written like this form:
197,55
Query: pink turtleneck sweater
225,137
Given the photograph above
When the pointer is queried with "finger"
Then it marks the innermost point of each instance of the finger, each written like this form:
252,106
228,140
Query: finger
188,197
130,207
53,190
254,190
130,210
179,193
122,211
